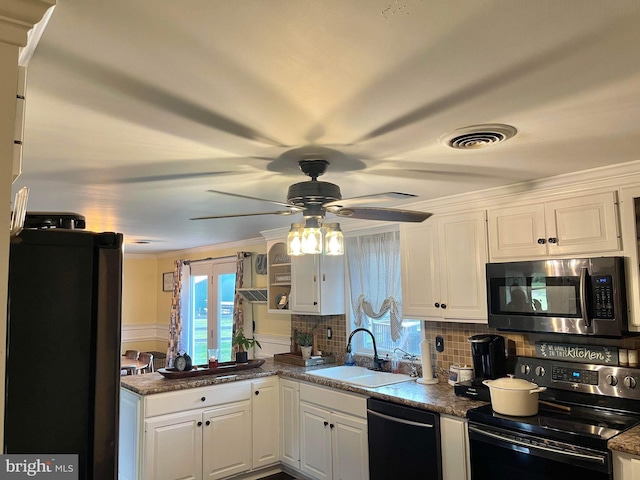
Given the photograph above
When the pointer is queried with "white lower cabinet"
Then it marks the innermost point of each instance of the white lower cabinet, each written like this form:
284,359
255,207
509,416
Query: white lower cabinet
265,406
173,446
290,423
625,466
333,434
454,445
204,433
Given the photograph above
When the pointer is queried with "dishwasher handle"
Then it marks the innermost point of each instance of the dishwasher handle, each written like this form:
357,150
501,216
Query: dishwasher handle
399,420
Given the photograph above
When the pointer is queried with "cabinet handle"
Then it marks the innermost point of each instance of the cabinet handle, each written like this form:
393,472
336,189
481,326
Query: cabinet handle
323,278
208,423
437,305
257,392
314,278
199,424
553,240
326,423
541,241
331,425
203,398
444,305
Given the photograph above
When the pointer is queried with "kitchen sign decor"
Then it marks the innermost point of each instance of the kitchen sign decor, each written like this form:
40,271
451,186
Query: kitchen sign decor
602,355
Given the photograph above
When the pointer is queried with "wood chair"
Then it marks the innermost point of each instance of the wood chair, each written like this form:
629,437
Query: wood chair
133,354
148,359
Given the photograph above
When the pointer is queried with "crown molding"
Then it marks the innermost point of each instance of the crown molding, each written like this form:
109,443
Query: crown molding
17,17
208,248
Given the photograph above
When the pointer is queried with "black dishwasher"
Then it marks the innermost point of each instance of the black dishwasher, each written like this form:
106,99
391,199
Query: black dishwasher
404,442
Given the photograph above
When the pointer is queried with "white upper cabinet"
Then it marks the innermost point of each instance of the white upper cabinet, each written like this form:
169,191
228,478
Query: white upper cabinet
578,225
317,285
279,275
443,268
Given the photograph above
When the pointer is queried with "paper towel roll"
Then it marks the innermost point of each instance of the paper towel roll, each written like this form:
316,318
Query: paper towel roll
427,369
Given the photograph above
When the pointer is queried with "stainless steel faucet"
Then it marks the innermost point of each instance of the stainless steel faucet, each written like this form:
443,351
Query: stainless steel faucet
377,362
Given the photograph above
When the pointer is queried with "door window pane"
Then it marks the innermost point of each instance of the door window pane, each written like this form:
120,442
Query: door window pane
199,311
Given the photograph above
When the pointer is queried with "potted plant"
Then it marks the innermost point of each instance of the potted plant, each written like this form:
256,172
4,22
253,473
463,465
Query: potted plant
305,341
243,344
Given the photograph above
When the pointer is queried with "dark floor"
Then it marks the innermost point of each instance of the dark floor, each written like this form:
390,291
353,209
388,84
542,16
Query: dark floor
279,476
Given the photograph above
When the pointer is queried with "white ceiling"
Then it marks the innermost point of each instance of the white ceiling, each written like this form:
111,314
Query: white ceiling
136,109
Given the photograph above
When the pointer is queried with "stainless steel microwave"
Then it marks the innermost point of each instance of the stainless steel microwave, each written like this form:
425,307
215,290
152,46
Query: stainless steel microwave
578,296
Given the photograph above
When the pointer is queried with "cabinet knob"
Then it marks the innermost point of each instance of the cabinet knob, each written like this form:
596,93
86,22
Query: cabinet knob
552,240
542,241
203,398
443,305
207,423
199,424
257,392
326,423
437,305
331,425
315,303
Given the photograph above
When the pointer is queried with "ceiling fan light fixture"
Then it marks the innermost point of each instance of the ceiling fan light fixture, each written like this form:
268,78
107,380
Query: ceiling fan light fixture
333,240
312,238
294,240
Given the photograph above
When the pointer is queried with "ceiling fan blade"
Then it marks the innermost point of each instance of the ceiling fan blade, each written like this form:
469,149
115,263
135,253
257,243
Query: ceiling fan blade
384,214
376,197
282,204
234,215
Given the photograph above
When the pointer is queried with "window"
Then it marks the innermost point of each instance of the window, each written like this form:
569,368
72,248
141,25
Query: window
376,294
210,309
409,340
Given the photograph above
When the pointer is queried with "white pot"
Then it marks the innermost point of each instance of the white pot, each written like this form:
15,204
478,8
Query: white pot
514,396
306,352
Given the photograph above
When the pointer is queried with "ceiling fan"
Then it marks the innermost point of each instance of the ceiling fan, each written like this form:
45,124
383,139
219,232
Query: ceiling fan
315,198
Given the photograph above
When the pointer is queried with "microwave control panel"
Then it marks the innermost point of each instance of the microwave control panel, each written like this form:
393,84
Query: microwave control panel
602,288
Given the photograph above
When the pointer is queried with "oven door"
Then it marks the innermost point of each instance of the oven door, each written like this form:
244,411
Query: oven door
499,454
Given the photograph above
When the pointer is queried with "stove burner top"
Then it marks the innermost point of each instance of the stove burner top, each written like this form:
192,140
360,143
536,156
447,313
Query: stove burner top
582,425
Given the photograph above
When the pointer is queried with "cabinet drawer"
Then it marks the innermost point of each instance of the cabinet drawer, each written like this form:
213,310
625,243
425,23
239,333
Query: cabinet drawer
203,397
334,400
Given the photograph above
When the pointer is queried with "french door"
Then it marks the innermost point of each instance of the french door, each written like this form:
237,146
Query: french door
211,294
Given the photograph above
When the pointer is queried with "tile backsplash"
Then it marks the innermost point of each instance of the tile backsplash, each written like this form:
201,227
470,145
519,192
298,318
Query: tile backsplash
455,335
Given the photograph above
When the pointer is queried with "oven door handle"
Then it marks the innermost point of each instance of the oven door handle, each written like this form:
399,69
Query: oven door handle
513,441
583,297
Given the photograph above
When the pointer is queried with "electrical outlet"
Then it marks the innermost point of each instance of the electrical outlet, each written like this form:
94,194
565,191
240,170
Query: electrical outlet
439,344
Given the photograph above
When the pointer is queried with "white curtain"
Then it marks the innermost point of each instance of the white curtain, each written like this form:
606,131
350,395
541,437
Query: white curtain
374,275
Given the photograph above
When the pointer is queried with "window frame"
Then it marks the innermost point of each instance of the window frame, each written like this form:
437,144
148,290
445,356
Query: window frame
358,342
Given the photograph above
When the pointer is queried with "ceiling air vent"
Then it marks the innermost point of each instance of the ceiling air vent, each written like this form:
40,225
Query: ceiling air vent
478,136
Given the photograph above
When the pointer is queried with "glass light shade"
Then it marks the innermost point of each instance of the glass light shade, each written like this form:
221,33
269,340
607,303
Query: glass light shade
312,237
333,240
294,240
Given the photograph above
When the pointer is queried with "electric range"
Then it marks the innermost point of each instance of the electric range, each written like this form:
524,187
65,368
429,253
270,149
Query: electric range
591,405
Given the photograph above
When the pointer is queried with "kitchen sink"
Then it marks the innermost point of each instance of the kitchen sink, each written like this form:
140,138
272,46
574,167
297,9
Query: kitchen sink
360,376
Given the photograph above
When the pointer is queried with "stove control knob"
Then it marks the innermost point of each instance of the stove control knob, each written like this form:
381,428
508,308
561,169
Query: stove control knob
525,369
612,380
540,371
630,382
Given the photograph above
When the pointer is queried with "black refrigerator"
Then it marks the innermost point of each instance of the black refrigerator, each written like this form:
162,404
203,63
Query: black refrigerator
63,347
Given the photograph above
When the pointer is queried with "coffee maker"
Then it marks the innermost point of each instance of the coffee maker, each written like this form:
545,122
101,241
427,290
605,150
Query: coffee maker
489,362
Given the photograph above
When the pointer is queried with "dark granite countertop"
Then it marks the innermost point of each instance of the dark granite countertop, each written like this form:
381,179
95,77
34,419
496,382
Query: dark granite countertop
436,398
